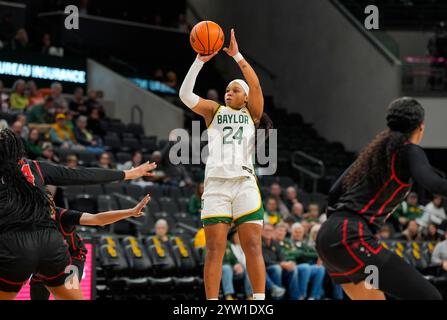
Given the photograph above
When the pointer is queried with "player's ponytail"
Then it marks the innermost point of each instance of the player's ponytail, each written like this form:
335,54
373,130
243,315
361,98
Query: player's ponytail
20,197
374,162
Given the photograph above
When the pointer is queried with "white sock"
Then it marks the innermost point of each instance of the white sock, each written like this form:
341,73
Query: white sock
258,296
212,299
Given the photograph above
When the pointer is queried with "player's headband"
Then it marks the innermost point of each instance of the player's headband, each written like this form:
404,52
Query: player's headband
243,84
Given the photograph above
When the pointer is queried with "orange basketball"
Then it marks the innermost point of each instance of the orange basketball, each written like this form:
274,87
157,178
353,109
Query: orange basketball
206,38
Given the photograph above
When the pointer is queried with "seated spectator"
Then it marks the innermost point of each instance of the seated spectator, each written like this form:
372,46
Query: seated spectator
20,42
61,135
275,192
195,202
17,128
384,233
234,268
271,213
94,123
171,79
409,209
313,214
77,104
434,212
159,174
42,113
34,95
85,137
56,93
431,233
48,153
159,75
277,267
4,99
297,212
439,255
311,241
137,159
310,272
18,101
411,233
92,102
72,161
34,144
161,231
105,161
291,197
48,49
25,130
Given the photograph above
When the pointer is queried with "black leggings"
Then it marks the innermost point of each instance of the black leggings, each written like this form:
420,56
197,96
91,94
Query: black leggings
402,281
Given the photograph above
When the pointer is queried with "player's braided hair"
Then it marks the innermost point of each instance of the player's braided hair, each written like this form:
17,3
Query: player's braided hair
20,198
403,117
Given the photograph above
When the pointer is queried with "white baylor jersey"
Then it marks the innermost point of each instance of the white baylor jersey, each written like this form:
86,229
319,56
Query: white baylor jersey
231,144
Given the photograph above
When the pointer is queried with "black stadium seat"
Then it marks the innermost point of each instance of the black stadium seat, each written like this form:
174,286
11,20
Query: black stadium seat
86,158
130,144
184,260
94,190
136,129
71,192
154,191
183,204
84,203
134,191
139,262
112,143
123,157
168,205
107,203
159,253
112,188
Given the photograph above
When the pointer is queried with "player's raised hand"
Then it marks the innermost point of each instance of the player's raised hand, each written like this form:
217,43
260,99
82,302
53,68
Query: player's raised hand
206,58
233,48
140,171
137,211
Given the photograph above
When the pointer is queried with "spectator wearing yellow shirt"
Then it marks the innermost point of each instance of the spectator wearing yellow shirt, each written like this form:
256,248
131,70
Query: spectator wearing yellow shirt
61,134
18,101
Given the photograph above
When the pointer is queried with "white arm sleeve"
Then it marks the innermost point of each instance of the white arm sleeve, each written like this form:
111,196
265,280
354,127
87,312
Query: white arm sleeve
186,95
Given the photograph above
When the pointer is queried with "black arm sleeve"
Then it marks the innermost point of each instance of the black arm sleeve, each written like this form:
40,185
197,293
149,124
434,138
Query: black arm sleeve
62,176
69,218
421,170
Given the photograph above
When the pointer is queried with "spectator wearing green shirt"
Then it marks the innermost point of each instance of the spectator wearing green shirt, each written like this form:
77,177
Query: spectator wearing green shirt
18,101
195,202
310,273
42,113
234,268
409,210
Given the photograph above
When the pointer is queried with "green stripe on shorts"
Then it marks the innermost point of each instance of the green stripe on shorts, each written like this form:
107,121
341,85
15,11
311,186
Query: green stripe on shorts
208,221
257,215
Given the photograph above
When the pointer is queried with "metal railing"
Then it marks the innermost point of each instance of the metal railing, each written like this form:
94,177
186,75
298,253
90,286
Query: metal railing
315,176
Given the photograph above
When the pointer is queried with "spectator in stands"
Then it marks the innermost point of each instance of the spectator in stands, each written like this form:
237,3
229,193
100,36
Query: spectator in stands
77,104
159,75
17,128
234,267
434,212
431,233
94,123
273,257
3,124
20,42
18,101
56,93
25,130
34,144
137,159
34,95
311,241
291,197
310,272
46,44
48,153
92,102
439,255
85,137
171,79
409,209
4,98
313,214
105,161
195,203
271,213
384,233
411,233
42,113
275,192
161,231
160,175
72,161
297,212
61,135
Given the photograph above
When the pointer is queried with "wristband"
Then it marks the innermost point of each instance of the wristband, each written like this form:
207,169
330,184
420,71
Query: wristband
238,57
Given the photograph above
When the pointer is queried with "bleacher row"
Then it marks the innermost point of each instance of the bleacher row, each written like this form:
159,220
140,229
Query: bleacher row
143,268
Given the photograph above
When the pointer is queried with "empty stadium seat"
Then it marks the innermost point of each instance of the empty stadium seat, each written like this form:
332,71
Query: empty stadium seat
122,157
112,143
148,145
184,260
185,218
168,205
86,158
107,203
154,191
112,188
71,192
134,191
84,203
174,192
137,258
130,144
160,255
94,190
136,129
183,204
